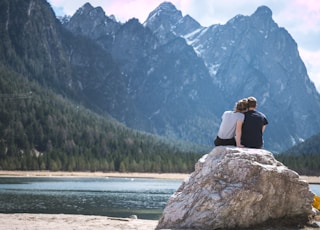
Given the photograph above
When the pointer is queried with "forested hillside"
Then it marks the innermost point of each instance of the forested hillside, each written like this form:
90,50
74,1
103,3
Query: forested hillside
304,157
67,99
303,164
49,96
40,130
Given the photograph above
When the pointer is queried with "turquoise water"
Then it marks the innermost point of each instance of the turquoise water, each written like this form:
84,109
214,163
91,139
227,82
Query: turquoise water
114,197
315,188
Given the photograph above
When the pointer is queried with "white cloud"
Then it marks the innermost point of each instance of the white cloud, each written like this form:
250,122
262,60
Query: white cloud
312,62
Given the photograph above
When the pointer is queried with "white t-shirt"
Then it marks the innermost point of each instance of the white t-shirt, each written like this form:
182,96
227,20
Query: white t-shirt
228,125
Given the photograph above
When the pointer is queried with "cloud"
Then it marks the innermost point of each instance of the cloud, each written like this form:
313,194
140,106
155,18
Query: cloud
312,62
127,9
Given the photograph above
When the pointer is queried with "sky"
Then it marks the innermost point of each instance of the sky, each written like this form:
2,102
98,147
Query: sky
301,18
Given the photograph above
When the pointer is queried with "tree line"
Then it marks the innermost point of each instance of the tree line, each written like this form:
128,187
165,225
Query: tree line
304,158
41,130
304,164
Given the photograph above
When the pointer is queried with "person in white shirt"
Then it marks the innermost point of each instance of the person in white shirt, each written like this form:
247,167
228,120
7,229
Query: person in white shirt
231,126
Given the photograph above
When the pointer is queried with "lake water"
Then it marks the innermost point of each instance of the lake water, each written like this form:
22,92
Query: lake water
114,197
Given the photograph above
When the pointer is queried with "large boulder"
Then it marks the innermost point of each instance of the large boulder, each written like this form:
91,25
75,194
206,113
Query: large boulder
238,188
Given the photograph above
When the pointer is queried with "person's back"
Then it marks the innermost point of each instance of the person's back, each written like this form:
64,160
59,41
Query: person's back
227,129
253,126
230,128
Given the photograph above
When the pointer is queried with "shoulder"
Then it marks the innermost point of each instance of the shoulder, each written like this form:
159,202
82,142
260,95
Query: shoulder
261,114
239,115
263,117
227,113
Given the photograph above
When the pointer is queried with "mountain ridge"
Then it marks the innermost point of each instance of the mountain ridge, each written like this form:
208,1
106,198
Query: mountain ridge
46,120
267,31
261,55
177,81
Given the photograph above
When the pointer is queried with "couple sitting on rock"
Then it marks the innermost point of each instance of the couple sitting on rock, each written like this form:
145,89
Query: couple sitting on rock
243,127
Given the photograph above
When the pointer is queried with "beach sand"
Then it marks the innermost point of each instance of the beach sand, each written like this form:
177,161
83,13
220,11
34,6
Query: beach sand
67,222
173,176
24,221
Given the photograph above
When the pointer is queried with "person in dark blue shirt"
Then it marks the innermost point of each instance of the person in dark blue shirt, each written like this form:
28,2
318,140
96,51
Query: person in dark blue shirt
253,126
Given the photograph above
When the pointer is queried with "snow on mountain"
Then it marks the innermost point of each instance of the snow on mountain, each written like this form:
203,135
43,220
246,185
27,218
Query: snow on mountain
181,76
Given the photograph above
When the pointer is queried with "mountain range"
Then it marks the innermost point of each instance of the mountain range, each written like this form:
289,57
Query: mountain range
168,76
181,76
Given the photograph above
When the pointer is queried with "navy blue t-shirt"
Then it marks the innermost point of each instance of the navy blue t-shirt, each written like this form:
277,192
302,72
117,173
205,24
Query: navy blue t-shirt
251,136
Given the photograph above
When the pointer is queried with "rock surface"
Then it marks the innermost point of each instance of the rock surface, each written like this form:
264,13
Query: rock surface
238,188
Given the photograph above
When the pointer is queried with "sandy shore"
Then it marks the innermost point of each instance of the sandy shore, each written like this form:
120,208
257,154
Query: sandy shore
68,222
81,222
173,176
311,179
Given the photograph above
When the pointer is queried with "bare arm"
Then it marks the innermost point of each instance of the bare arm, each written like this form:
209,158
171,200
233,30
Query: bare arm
238,133
263,128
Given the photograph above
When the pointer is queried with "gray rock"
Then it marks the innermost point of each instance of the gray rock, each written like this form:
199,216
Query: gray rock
133,217
238,188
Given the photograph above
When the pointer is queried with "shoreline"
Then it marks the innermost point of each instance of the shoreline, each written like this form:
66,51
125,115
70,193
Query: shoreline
311,179
167,176
22,221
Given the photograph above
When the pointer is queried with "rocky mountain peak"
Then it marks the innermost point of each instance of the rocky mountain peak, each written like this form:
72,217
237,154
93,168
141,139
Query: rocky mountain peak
262,18
163,17
182,76
89,11
263,11
87,7
167,22
166,8
94,23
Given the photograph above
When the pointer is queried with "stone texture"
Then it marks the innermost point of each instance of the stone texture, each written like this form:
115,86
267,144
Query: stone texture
238,188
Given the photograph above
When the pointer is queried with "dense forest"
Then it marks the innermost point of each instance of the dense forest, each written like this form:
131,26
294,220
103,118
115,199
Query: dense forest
304,157
40,130
45,122
304,164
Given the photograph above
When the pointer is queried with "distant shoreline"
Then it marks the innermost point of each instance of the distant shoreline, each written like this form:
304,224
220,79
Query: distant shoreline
311,179
170,176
